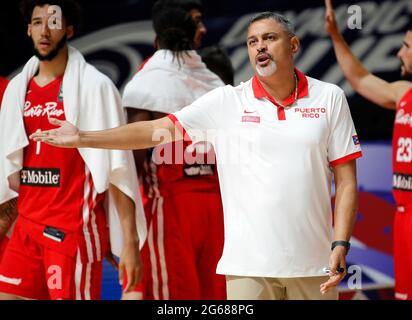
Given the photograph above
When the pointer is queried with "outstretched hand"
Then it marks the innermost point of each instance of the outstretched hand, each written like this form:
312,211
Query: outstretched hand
66,135
331,26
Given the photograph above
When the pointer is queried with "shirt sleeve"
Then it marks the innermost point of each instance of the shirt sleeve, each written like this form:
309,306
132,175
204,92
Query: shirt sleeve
202,119
343,143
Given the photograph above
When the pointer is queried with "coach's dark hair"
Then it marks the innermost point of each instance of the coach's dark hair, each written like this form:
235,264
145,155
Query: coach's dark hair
175,29
218,61
70,9
285,22
186,5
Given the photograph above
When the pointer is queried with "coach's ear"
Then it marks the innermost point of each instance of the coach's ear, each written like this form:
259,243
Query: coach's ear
29,30
294,44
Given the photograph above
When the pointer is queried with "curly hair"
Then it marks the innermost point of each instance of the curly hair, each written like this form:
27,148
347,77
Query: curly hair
175,29
70,8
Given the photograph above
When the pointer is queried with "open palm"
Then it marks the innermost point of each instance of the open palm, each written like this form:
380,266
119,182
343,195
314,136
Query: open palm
66,135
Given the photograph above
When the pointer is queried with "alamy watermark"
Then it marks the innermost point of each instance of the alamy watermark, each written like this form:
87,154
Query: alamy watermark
55,277
237,147
355,17
354,281
55,19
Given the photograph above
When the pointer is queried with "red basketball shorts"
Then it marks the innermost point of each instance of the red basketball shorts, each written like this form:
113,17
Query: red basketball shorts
31,270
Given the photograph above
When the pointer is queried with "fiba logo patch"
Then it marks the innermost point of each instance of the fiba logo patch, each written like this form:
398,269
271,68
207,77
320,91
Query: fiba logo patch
60,96
355,140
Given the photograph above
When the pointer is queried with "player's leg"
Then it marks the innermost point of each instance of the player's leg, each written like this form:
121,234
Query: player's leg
402,254
210,229
6,296
408,235
173,260
70,278
21,269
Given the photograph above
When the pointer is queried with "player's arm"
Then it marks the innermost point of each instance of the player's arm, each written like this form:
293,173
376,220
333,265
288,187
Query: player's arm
346,204
130,260
137,135
136,115
373,88
8,214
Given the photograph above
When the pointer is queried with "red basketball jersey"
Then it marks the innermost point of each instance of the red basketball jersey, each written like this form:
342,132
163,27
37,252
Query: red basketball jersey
402,151
56,187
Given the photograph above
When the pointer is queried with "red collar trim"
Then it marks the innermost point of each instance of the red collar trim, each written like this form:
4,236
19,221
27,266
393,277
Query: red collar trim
303,90
144,63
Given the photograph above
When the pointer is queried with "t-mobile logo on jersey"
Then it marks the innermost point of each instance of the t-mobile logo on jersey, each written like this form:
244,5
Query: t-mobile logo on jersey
402,182
40,177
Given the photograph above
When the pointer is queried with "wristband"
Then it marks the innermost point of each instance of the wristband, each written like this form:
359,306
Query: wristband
342,243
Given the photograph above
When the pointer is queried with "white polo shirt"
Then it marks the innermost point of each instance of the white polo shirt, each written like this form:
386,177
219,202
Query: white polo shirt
275,172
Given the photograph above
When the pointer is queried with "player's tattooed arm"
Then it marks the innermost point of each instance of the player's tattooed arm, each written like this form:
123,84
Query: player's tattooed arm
8,213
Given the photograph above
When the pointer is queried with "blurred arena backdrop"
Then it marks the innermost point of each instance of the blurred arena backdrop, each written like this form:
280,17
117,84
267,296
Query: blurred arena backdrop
117,36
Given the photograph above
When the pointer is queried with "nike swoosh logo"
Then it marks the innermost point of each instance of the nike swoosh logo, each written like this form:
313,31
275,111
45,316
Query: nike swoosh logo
249,111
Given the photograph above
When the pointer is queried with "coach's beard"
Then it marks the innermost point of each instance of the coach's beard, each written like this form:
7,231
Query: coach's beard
52,54
268,70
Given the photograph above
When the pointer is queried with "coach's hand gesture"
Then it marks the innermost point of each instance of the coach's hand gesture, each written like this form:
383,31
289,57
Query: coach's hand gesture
66,135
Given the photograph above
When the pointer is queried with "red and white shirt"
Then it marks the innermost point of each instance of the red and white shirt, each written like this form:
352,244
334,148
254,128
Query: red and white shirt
56,187
275,172
402,153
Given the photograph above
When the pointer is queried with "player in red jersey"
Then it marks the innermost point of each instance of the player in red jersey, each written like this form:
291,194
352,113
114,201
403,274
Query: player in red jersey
60,236
397,96
8,211
185,238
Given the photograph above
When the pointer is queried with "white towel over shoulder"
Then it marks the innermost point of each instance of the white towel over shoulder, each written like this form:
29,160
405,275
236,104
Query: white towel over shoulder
167,84
91,102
